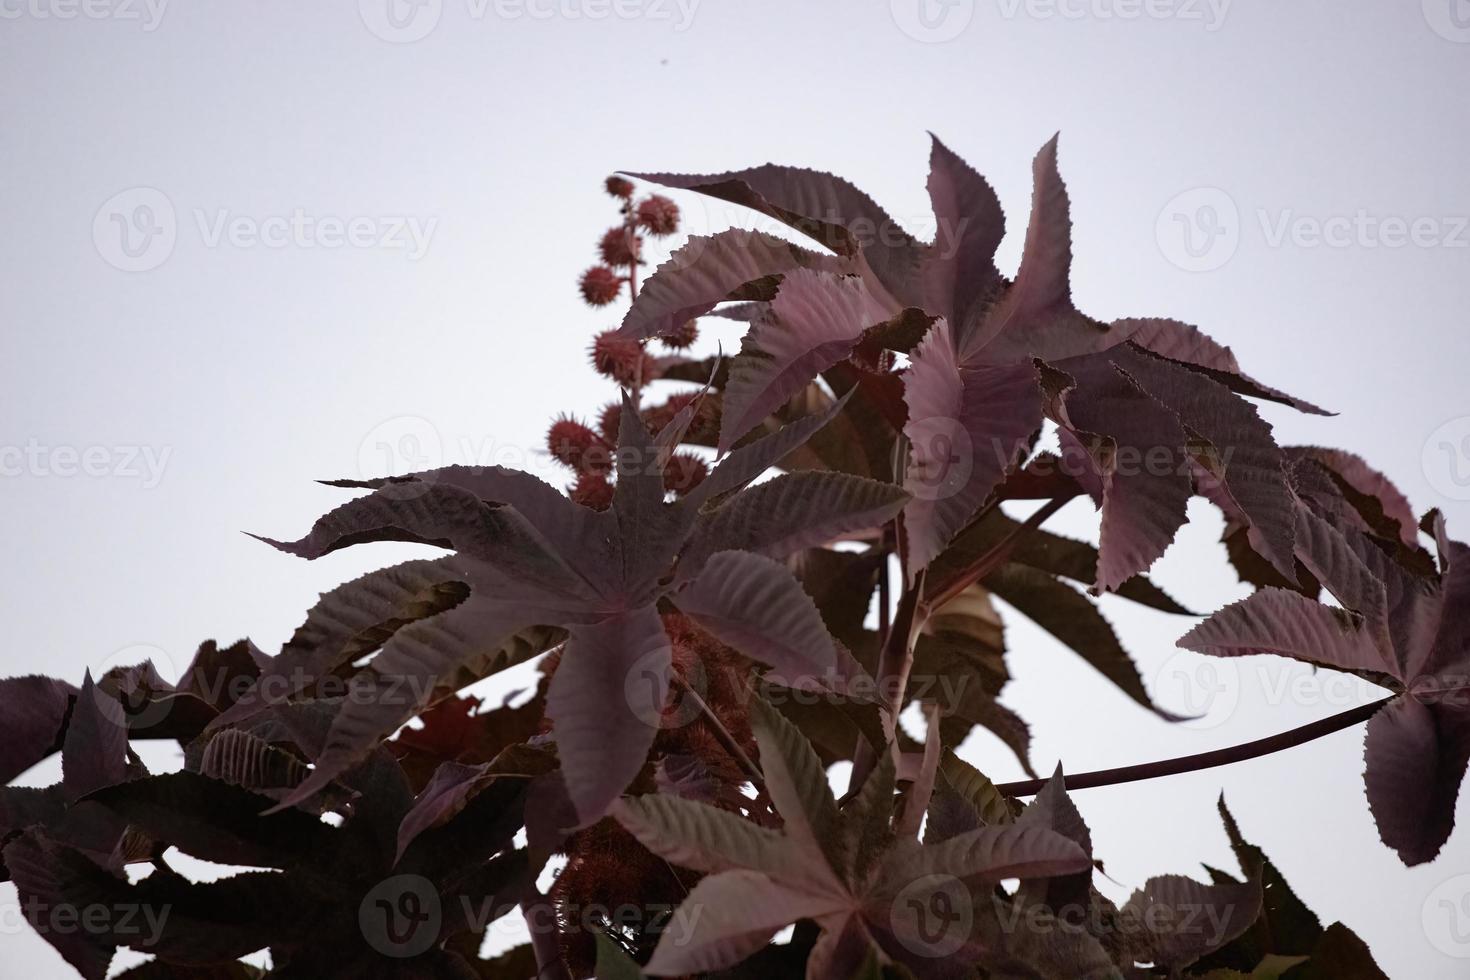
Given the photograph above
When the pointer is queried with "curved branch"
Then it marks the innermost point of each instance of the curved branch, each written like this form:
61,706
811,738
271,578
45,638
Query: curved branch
1205,760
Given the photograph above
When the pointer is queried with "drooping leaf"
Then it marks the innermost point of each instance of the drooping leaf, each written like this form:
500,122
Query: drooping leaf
216,821
604,741
32,711
1074,619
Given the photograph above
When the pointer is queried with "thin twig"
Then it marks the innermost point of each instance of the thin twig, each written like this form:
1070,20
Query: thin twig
1205,760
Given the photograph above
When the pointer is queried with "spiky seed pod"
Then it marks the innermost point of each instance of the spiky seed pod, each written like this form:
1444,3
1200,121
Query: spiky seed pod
571,442
619,187
684,472
700,427
609,420
682,338
658,215
617,357
620,247
600,285
592,490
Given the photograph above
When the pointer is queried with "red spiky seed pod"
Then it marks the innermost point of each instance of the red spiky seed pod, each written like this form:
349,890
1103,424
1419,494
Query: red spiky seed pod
609,420
658,416
681,338
592,490
620,247
600,285
617,357
658,215
619,187
684,472
571,442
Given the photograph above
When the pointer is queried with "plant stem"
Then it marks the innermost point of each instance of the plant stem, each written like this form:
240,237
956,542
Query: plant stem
884,598
1205,760
993,558
538,912
895,661
722,733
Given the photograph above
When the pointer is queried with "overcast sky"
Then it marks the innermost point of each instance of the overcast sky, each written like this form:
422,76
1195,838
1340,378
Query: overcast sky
250,246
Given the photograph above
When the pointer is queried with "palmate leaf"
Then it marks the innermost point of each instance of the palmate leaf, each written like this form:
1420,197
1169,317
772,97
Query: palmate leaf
709,270
602,740
959,271
94,753
1074,619
1054,554
789,513
828,209
598,575
814,322
1255,473
1185,919
48,876
32,712
755,604
1137,449
846,870
1189,345
977,386
968,426
1417,747
348,623
218,822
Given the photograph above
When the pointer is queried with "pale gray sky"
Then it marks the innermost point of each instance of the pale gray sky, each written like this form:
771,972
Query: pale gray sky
249,246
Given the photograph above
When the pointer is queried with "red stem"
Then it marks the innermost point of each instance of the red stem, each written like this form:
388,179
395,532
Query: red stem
1205,760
